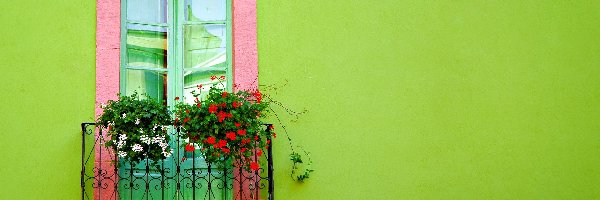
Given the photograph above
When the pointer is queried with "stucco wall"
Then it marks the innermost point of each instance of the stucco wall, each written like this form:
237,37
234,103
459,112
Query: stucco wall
437,99
46,90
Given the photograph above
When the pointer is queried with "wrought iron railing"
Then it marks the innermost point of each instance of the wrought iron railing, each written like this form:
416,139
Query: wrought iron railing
179,177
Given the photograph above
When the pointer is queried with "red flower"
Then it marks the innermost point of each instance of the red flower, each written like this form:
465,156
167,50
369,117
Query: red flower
199,105
221,116
230,135
183,159
274,135
259,152
212,109
199,86
223,105
254,166
187,111
213,77
237,124
257,95
176,98
222,77
187,119
241,132
268,141
271,127
225,150
256,137
245,141
189,147
235,104
210,140
243,150
224,94
220,144
176,121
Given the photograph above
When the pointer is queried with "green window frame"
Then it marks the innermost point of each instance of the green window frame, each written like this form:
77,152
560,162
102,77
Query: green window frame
178,27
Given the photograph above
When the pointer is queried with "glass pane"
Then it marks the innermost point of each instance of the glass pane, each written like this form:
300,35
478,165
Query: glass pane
151,11
205,46
191,80
152,83
146,46
205,10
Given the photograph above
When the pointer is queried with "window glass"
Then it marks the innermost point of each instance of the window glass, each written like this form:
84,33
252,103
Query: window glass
149,11
153,83
205,46
205,10
146,46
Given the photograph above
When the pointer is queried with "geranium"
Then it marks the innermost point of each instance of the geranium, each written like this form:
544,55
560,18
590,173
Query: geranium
230,135
210,140
212,108
228,125
254,166
189,147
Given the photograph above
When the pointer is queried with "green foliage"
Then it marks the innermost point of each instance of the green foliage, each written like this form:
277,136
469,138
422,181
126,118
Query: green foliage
227,127
296,159
137,128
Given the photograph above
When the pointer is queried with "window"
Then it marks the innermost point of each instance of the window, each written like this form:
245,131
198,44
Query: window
169,47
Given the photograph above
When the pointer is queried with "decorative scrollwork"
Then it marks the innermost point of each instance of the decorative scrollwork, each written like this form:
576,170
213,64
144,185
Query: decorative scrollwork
177,177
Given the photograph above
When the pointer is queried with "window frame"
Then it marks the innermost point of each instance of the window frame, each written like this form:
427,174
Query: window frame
175,52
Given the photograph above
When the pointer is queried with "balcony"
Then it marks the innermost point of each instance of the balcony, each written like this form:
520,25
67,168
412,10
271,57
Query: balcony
182,176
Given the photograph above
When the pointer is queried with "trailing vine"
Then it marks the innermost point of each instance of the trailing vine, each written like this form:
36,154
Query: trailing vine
301,167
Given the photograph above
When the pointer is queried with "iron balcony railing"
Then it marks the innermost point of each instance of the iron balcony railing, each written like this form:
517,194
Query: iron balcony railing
179,177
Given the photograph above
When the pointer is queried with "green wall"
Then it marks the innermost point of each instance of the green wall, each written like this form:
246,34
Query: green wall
47,86
437,99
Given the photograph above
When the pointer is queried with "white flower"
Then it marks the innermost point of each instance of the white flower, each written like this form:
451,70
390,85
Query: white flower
122,154
137,121
163,145
158,139
167,154
145,139
123,137
120,144
141,131
124,115
137,148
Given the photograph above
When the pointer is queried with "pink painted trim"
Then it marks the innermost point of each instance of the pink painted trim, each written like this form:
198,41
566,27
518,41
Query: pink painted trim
108,19
245,53
245,65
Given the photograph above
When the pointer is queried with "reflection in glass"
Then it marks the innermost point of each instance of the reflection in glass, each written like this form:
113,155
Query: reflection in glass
146,46
205,10
205,46
148,82
149,11
191,79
